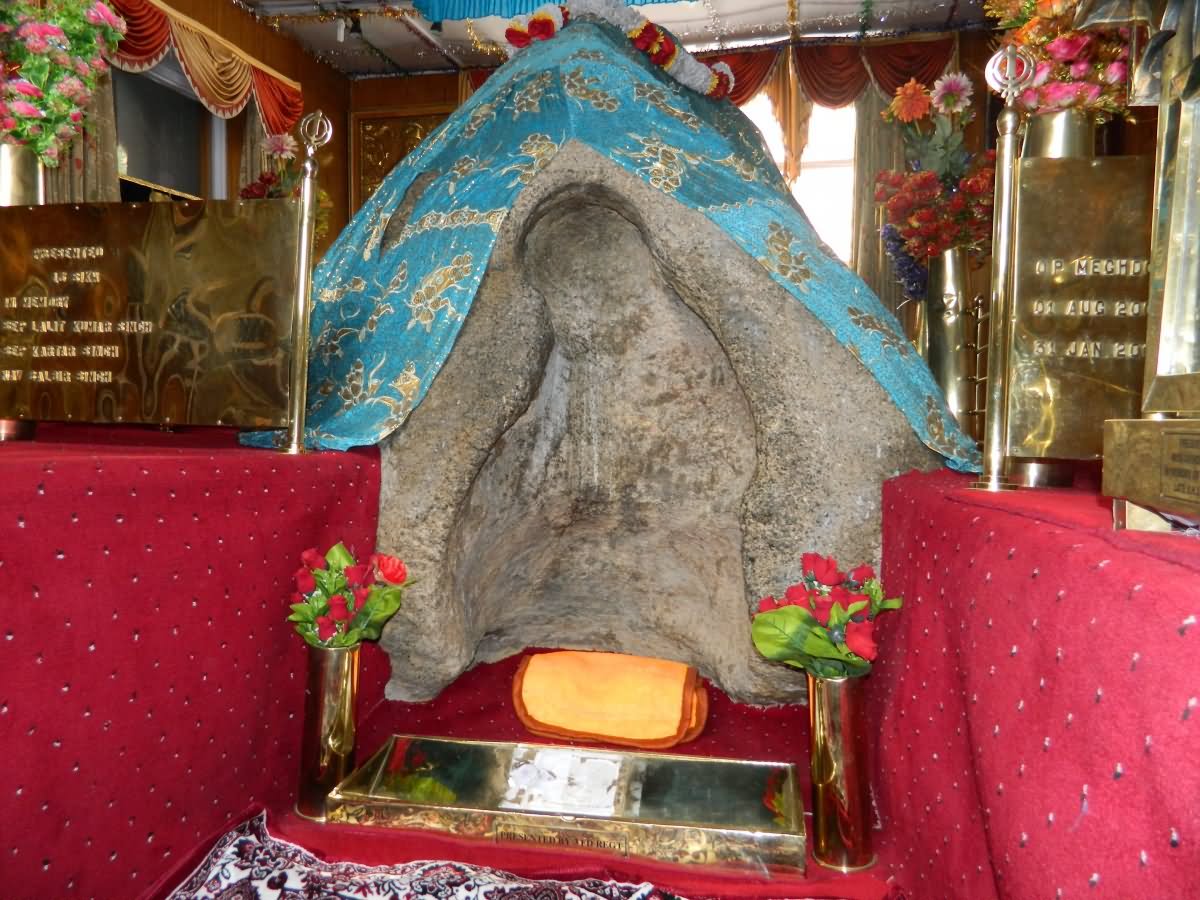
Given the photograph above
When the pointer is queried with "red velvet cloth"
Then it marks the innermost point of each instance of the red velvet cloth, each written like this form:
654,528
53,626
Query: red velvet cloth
750,68
835,74
279,104
147,35
149,686
1036,697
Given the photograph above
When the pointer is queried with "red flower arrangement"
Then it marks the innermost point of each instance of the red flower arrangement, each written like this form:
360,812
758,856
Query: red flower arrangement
339,603
931,218
825,623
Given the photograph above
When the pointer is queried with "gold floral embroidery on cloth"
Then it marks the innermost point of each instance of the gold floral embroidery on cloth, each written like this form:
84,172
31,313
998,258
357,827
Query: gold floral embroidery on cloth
459,218
663,164
528,96
660,100
540,148
746,170
328,343
784,262
589,55
334,294
375,231
888,336
583,89
483,113
430,297
935,423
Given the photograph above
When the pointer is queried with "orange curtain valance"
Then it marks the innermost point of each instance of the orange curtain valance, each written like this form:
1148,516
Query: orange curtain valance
222,76
835,74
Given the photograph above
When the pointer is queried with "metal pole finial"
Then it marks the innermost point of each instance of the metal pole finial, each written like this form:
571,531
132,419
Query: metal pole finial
1010,71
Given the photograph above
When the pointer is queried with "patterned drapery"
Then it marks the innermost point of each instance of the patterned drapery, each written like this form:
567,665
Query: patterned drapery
222,76
877,146
87,173
835,74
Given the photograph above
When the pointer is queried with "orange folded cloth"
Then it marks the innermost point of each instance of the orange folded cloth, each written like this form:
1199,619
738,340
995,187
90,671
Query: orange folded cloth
610,697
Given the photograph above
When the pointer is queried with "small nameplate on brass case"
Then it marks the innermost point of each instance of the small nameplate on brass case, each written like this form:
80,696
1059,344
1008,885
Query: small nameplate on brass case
1155,463
681,809
163,313
1081,284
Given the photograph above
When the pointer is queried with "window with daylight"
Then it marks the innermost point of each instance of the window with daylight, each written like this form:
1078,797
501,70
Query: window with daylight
825,187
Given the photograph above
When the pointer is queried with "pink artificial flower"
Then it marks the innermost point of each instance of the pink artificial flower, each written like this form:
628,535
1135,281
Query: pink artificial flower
26,110
60,58
1029,98
280,146
1116,72
82,69
1069,47
65,132
1041,74
952,93
37,44
98,64
8,123
76,116
1087,93
1080,69
100,14
1059,94
50,154
25,88
70,87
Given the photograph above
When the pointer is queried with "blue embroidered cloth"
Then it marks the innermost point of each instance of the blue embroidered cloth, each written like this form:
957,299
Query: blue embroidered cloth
385,318
457,10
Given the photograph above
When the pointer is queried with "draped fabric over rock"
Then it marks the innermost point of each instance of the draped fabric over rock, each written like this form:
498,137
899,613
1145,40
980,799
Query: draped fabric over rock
391,295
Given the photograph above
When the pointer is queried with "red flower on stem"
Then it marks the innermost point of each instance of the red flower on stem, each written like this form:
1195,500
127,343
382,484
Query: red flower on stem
305,583
391,568
326,628
859,639
822,568
313,558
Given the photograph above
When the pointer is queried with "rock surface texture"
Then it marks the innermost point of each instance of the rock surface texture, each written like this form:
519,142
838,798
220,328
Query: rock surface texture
636,435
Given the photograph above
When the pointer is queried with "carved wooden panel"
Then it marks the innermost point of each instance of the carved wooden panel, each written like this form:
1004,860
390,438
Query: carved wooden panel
383,138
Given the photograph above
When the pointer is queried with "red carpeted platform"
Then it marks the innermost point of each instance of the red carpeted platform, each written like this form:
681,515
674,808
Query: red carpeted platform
1036,698
149,686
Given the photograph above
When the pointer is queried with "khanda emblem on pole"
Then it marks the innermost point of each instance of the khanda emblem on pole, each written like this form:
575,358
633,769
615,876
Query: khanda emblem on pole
1009,72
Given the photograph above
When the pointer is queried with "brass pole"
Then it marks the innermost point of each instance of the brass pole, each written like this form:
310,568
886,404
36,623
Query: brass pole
316,130
1008,72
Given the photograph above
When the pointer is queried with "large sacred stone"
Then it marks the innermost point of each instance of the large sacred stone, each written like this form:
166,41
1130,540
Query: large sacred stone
636,433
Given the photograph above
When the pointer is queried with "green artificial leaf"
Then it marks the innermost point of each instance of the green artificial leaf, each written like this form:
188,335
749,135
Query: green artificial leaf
339,557
301,612
838,616
858,607
893,603
326,582
780,634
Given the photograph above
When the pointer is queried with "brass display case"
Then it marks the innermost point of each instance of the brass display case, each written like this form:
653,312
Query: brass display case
680,809
1154,462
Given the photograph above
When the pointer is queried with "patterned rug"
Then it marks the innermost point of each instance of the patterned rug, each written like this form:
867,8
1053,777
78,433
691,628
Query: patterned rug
248,864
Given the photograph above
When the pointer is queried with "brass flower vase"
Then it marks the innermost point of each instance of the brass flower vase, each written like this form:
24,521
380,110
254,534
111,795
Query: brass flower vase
951,352
840,764
22,183
327,753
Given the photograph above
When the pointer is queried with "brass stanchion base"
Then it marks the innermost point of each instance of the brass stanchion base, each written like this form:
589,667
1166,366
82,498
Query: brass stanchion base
17,430
320,820
845,870
994,483
1042,473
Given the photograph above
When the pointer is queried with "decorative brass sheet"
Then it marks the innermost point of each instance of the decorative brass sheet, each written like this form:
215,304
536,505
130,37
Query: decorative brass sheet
672,808
1081,283
166,313
381,139
1154,463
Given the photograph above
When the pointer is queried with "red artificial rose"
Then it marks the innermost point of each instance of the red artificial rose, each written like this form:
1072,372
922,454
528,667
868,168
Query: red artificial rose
541,28
823,568
356,576
391,568
297,597
821,605
796,595
767,603
325,628
360,595
305,583
313,558
859,639
517,37
337,608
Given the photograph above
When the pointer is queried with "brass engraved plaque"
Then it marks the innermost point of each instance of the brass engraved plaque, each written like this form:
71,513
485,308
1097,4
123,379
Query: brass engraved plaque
1079,308
1180,466
165,313
1154,463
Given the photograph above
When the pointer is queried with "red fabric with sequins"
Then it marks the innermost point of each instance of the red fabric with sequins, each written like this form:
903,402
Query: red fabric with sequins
149,686
1036,697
